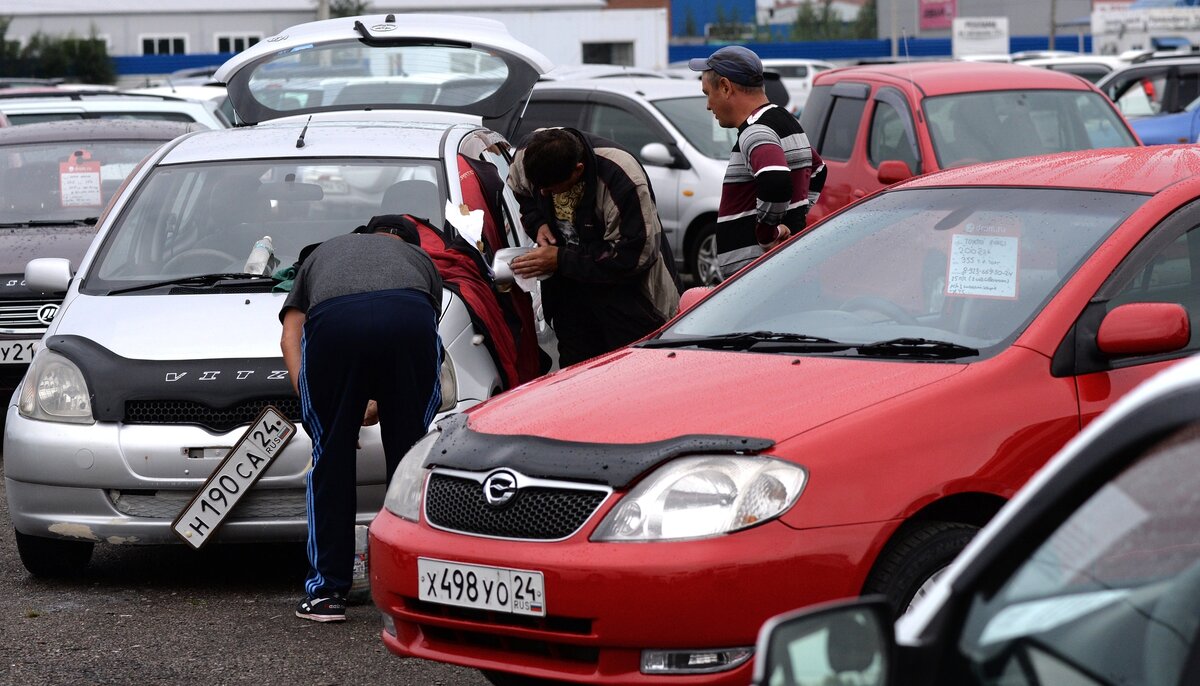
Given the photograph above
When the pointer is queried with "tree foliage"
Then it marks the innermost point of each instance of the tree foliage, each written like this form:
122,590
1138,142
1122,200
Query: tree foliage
348,8
73,58
816,20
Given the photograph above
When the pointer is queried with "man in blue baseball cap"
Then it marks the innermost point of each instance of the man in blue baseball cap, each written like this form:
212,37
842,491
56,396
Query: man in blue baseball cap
773,176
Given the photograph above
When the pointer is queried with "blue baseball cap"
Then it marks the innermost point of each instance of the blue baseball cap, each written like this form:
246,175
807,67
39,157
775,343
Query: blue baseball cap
739,65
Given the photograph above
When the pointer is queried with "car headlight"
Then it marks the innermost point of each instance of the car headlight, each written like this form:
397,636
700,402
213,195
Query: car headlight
694,497
449,383
403,497
54,391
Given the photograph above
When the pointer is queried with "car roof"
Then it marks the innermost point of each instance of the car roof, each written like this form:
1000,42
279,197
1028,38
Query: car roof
1143,169
95,129
597,71
941,78
648,88
1108,60
322,138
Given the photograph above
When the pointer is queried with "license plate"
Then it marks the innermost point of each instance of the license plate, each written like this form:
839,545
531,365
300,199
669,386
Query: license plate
16,352
519,591
245,463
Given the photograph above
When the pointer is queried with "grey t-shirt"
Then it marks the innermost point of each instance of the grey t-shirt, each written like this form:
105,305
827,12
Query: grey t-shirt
362,263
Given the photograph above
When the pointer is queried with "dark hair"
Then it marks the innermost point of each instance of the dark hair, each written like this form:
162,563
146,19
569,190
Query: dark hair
395,224
551,156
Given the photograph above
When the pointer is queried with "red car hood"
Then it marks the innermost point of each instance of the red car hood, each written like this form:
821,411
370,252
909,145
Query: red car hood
640,395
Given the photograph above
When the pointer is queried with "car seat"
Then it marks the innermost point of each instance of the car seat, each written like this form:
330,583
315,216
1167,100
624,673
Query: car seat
416,197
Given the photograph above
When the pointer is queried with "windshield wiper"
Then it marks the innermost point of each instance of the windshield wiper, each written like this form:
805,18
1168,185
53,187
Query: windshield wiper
920,348
86,221
756,340
199,280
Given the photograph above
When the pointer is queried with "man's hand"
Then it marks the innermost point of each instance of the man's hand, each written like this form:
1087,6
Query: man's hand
784,233
545,236
537,262
371,417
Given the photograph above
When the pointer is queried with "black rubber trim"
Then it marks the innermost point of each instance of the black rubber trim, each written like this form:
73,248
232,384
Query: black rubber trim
112,380
614,464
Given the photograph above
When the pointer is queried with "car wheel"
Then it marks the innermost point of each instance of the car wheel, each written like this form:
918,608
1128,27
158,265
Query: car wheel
702,257
52,557
913,561
506,679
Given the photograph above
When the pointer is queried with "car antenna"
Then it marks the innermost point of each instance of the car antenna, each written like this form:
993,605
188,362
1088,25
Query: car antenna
912,85
300,140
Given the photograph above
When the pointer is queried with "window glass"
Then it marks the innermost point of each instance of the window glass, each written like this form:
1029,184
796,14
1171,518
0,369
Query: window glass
543,113
1112,596
1139,95
889,139
966,266
1091,72
999,125
195,219
1169,276
698,126
842,130
812,119
622,126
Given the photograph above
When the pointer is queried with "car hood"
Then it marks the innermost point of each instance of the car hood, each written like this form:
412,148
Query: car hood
303,69
641,395
20,245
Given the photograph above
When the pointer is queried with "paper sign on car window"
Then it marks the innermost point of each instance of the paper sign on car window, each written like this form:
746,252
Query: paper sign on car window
246,462
79,181
983,266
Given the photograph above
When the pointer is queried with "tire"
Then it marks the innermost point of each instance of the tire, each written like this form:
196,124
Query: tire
702,256
506,679
53,558
915,557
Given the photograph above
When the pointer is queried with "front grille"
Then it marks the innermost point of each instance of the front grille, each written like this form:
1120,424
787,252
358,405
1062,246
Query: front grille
215,419
551,623
23,315
257,504
572,656
542,512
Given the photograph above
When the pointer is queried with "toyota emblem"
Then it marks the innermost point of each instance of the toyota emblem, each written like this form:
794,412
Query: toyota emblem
499,488
45,313
383,28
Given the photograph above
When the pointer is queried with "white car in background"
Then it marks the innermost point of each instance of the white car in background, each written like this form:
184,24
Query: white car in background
797,76
167,344
1091,67
666,124
70,104
211,92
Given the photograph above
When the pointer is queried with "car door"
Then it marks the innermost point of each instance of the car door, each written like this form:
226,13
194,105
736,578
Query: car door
892,133
833,120
625,122
1164,267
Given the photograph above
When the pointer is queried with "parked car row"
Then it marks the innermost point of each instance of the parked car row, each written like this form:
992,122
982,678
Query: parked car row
839,419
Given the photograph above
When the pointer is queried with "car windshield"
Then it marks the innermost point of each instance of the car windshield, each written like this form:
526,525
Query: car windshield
698,126
201,219
962,266
349,75
65,180
19,118
1113,594
980,127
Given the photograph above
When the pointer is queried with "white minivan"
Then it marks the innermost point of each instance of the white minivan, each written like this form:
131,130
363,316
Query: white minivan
167,346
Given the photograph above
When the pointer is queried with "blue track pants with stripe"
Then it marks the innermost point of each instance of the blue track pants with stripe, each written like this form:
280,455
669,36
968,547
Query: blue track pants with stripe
381,346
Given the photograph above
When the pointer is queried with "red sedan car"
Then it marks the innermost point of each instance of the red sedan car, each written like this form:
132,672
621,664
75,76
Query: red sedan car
839,418
876,125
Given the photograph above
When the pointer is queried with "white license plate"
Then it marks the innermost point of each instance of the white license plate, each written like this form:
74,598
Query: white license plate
245,463
518,591
16,352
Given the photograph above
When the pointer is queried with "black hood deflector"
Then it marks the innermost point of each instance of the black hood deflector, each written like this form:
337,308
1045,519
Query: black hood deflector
614,464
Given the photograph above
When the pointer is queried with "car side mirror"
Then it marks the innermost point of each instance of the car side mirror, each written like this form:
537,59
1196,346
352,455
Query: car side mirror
893,171
823,644
692,296
1144,329
657,154
48,275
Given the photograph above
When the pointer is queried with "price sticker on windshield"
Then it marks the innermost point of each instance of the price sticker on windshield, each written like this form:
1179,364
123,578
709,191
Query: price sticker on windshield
984,266
239,470
79,181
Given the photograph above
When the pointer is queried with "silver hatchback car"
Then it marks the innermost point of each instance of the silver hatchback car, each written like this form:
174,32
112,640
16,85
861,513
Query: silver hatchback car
167,344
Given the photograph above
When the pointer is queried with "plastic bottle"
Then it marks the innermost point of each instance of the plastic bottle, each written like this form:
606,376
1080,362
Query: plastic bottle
360,580
262,258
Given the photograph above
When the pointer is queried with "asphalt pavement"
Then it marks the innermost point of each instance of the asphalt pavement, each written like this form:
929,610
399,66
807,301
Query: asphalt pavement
151,615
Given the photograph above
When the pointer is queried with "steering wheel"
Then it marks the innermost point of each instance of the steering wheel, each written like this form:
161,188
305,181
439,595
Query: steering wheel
202,259
883,306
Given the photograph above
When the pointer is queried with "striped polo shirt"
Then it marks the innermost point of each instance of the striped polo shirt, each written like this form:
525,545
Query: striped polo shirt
773,177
